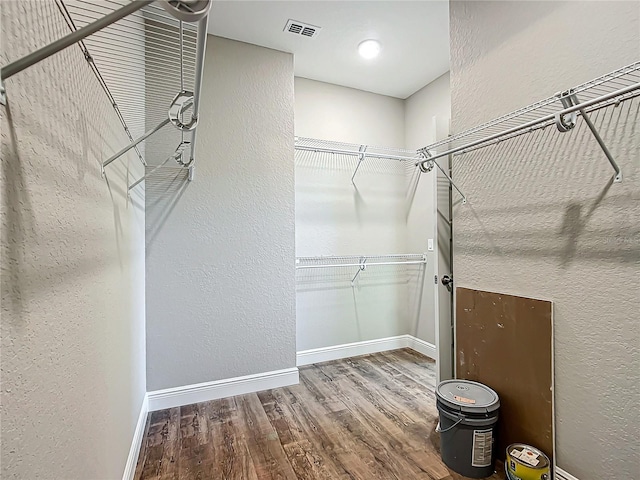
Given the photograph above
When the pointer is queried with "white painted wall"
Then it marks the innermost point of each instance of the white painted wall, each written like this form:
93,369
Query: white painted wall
427,116
543,221
220,249
342,114
72,330
433,100
335,218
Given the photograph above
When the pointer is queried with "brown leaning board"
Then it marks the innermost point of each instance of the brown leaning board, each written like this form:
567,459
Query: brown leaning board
505,342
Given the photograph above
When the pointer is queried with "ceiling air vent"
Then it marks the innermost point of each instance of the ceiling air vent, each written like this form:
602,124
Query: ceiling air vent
300,28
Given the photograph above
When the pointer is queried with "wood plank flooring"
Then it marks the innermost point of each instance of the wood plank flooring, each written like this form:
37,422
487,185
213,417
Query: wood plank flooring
364,418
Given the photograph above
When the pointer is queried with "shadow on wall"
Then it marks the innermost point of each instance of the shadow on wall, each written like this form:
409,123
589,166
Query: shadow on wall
344,304
413,176
574,224
381,188
368,287
163,190
415,293
19,216
51,154
564,182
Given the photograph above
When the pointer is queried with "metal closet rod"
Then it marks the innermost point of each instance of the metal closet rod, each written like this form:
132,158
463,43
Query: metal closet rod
354,153
362,155
368,264
25,62
363,261
78,35
551,117
544,125
593,85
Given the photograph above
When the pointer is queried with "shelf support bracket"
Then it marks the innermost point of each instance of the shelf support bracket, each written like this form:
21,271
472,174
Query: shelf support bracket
566,123
361,268
361,156
3,94
138,140
141,139
427,165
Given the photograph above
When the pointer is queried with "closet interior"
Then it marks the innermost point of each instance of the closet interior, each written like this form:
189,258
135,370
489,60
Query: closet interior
254,239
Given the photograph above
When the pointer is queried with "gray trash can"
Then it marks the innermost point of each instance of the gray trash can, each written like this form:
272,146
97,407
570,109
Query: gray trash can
468,420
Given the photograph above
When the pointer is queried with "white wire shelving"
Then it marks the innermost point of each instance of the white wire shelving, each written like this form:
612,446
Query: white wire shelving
359,262
561,109
357,151
148,57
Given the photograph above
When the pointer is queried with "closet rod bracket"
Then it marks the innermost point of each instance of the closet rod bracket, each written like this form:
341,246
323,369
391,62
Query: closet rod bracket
146,135
427,166
361,156
564,123
362,267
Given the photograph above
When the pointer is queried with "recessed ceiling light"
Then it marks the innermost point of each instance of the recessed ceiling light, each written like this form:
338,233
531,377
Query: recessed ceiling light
369,49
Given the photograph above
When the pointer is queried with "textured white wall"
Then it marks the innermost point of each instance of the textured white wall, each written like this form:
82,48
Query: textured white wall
543,220
335,218
220,249
433,100
72,330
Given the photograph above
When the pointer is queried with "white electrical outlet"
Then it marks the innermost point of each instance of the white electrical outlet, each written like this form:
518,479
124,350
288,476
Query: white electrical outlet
430,244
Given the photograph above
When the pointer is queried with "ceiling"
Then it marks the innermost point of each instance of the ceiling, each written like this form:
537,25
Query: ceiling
414,36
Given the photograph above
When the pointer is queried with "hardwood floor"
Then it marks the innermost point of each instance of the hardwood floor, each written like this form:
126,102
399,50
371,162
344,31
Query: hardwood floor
364,418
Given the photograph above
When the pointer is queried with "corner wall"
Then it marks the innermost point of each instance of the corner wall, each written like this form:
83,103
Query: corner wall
543,219
426,117
72,329
220,249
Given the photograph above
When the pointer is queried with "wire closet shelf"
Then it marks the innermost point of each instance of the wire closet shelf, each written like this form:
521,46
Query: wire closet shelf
148,57
362,152
359,151
561,109
361,262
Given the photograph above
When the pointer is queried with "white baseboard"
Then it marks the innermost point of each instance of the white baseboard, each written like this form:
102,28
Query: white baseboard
203,392
136,442
337,352
229,387
420,346
562,475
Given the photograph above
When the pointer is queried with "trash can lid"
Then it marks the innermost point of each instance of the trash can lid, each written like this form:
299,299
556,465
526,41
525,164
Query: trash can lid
467,396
